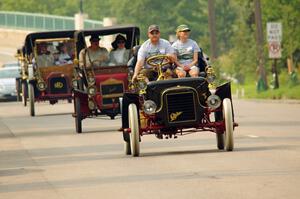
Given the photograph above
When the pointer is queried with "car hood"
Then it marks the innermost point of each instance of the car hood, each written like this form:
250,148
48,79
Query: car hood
7,81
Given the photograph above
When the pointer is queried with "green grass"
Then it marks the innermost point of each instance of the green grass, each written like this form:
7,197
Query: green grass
285,91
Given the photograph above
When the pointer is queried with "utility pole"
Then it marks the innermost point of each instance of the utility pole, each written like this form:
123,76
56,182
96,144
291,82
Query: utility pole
212,29
81,6
262,80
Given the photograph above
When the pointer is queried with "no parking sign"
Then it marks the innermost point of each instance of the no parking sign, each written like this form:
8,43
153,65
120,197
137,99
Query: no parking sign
274,36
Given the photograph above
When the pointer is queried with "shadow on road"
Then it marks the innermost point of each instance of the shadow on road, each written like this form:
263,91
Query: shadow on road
52,114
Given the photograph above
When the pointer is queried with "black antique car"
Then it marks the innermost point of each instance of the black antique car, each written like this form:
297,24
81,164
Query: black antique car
175,107
48,67
98,88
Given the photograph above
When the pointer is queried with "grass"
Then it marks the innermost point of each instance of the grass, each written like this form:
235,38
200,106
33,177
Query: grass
285,90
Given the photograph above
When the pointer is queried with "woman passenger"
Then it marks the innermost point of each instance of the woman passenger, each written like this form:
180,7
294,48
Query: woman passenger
186,51
119,55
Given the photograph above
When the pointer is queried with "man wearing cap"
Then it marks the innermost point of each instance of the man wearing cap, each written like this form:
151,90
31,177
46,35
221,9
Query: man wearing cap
186,51
153,46
93,55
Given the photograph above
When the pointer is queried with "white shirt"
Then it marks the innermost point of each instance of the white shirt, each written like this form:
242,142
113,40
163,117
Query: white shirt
119,54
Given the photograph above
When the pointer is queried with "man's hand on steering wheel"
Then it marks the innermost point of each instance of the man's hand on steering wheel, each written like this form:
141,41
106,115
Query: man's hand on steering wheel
134,78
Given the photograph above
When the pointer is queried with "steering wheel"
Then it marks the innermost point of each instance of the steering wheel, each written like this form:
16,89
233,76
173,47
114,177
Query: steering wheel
157,61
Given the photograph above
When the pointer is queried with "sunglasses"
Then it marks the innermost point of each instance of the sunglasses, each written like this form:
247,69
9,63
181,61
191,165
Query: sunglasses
120,42
154,32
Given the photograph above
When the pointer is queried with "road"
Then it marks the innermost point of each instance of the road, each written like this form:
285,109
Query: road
43,157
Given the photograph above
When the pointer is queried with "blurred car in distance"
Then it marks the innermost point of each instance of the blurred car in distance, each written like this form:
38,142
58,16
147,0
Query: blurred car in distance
8,77
11,64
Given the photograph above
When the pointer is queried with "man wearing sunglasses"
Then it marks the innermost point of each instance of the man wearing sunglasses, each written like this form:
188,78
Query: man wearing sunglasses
93,55
153,46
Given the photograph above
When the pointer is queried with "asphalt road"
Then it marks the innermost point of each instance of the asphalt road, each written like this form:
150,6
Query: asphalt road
43,157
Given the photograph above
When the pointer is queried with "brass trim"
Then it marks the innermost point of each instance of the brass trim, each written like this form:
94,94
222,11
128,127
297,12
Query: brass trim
111,81
176,88
182,113
112,95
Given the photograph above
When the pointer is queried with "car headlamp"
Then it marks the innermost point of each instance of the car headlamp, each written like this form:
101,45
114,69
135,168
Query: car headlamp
149,107
213,101
142,85
91,90
211,77
75,83
91,105
91,80
41,85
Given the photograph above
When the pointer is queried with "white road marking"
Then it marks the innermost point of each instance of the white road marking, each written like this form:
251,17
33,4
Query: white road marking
252,136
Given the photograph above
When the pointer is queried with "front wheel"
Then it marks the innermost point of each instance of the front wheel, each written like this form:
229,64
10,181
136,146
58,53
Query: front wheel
135,132
228,120
31,100
78,117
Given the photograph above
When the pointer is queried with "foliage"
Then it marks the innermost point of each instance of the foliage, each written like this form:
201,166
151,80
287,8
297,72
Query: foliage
235,25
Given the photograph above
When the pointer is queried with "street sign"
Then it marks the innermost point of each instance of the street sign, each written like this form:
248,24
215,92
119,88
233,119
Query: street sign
274,37
274,31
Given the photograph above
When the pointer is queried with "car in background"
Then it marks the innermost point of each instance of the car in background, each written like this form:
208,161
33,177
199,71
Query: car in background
48,78
11,64
97,89
8,77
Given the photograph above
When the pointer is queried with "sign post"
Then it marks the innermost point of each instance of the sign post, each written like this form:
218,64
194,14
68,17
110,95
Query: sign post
274,37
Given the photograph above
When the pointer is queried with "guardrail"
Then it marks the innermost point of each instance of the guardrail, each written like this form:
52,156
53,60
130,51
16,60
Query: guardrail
30,21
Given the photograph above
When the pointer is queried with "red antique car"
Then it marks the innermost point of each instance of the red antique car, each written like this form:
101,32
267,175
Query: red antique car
98,87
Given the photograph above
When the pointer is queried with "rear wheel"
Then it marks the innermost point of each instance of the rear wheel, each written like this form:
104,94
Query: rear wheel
134,126
31,100
18,89
78,117
127,148
228,119
24,94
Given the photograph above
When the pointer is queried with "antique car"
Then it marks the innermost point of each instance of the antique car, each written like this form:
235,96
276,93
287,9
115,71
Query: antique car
169,108
98,87
49,66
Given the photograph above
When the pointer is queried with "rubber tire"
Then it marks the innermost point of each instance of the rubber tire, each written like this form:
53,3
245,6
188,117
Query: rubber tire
228,120
127,148
112,117
134,126
18,90
78,118
31,100
24,94
220,141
